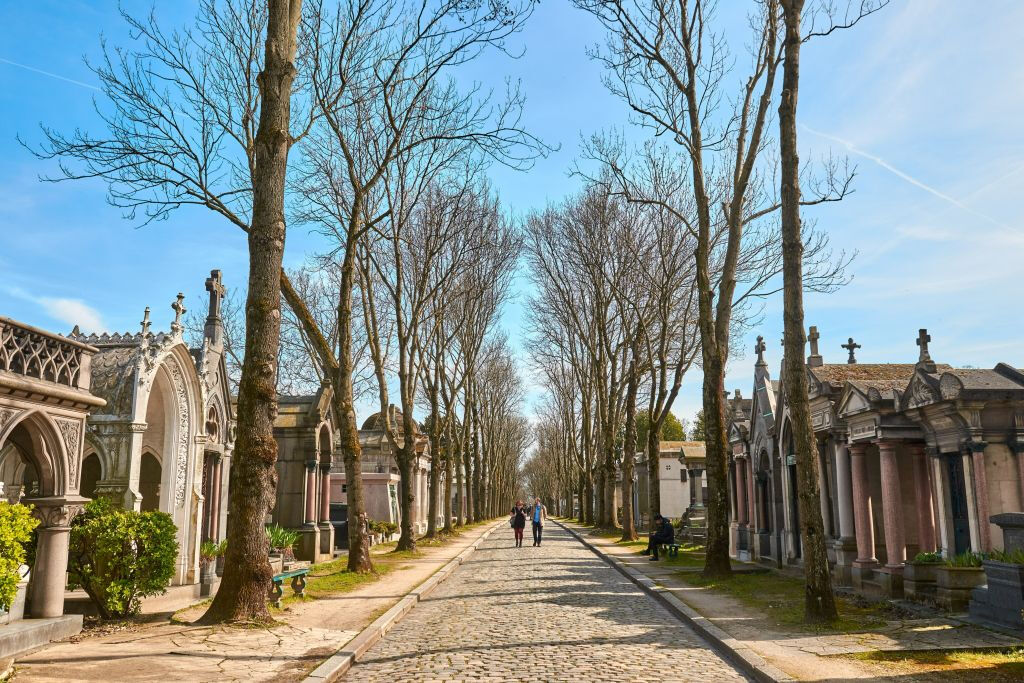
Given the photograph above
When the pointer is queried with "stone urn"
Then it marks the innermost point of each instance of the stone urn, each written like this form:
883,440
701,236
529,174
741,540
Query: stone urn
276,562
919,580
954,586
220,565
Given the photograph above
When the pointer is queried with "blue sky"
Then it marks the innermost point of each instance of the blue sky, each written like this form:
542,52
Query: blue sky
925,98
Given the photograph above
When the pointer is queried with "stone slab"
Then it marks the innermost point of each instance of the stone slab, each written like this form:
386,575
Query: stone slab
28,634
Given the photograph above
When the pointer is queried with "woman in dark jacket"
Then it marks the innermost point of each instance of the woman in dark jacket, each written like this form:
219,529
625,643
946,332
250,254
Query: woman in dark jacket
518,521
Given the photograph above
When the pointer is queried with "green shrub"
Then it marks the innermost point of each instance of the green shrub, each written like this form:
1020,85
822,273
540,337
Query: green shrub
967,559
928,558
281,538
16,526
121,556
208,552
1015,557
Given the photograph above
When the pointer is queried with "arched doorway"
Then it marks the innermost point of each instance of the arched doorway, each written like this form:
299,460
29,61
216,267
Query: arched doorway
19,477
150,474
92,472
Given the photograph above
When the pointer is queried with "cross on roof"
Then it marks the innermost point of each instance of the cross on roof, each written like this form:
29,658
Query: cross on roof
179,309
851,346
922,340
145,322
215,287
813,338
759,349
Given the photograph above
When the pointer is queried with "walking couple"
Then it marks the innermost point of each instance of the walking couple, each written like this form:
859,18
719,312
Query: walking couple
537,513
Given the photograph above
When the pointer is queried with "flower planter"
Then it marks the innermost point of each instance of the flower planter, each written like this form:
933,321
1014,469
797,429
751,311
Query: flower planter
220,565
1002,601
276,563
919,580
954,586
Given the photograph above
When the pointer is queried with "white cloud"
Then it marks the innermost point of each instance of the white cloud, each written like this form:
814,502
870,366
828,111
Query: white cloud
71,312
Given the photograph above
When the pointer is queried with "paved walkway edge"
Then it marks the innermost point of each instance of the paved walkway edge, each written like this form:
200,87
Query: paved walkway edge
341,661
738,654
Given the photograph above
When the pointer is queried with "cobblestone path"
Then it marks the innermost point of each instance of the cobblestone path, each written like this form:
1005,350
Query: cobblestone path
553,613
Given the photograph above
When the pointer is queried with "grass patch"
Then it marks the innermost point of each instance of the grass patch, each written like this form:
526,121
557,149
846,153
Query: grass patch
781,599
961,665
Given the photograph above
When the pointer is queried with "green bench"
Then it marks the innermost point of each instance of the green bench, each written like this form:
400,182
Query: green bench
298,577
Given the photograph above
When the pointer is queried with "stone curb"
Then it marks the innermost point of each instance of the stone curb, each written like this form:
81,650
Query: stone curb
738,654
338,664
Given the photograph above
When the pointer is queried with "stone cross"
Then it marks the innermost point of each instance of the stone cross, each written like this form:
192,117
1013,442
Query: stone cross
145,322
759,349
851,346
813,338
922,340
179,309
215,287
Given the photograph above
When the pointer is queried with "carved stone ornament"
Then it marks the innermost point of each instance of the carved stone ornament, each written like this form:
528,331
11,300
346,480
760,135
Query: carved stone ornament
71,431
7,416
57,515
181,459
921,393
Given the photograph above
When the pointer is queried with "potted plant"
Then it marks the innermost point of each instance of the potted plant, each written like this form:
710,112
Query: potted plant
956,578
919,576
222,549
281,543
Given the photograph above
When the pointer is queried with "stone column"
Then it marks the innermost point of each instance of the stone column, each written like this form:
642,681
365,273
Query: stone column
311,489
823,490
1019,448
748,472
741,492
325,494
981,495
51,565
844,492
892,505
971,494
862,506
922,486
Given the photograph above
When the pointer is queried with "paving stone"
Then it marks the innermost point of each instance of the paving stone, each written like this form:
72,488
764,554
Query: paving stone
553,613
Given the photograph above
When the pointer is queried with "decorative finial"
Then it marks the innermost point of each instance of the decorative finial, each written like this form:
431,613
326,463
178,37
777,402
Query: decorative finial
759,349
924,358
145,322
76,332
179,310
216,289
851,346
814,360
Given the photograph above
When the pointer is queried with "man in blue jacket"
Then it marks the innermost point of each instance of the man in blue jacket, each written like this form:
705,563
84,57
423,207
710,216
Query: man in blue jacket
663,534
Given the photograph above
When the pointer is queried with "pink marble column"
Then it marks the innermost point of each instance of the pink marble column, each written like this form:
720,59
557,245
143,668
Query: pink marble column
981,495
892,506
215,484
922,486
862,506
311,493
325,494
741,491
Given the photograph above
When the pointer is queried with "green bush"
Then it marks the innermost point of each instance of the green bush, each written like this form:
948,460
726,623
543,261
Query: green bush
208,552
121,556
927,558
281,538
967,559
1015,557
16,526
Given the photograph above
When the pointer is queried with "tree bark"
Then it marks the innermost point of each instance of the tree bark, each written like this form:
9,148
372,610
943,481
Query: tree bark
819,602
653,472
628,449
242,596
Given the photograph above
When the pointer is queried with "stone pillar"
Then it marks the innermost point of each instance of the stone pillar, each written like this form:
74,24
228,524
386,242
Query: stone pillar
971,494
741,492
1019,448
51,565
751,507
824,494
325,494
892,506
922,486
311,489
862,506
981,496
844,492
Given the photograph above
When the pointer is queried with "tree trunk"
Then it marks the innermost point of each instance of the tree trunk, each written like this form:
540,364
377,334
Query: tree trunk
628,449
406,493
478,508
449,472
435,477
716,444
242,596
819,602
653,474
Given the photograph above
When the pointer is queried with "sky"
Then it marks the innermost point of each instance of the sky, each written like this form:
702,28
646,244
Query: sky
924,98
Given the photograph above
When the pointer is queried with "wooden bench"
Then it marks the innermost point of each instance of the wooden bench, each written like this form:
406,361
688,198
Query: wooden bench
670,549
298,577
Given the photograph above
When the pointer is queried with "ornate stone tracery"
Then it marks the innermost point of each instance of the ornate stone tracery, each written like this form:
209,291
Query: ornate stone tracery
71,432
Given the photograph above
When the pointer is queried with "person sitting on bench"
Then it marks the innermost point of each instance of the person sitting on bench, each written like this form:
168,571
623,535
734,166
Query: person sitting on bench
663,534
